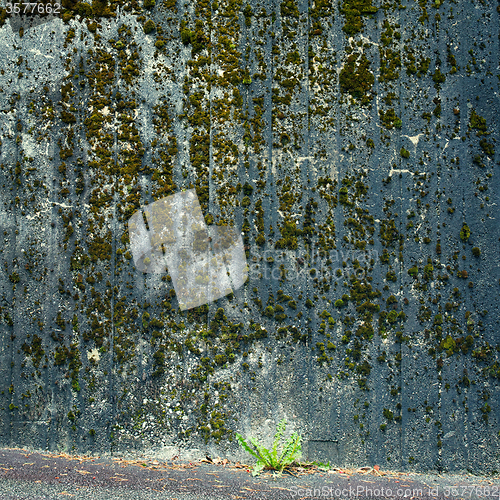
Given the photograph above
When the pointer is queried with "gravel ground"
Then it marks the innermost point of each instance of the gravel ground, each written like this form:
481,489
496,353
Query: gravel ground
35,476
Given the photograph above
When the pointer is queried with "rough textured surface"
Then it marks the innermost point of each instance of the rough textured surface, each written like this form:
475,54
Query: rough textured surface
32,476
355,145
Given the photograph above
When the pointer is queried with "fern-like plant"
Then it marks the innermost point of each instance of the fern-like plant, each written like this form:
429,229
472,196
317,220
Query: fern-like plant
273,459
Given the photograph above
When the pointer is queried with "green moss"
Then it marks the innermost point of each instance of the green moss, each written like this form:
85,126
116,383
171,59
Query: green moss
247,13
388,414
477,122
245,202
404,153
391,276
60,321
390,61
186,36
485,410
389,119
465,232
100,248
392,317
14,277
391,300
363,369
487,147
289,8
67,117
3,16
220,359
353,10
269,311
279,313
413,271
149,26
428,271
260,239
356,79
438,77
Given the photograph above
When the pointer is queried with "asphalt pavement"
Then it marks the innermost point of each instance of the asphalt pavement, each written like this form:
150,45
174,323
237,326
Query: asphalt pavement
26,475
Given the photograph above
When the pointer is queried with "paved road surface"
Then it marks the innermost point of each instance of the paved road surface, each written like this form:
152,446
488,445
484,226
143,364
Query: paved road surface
26,475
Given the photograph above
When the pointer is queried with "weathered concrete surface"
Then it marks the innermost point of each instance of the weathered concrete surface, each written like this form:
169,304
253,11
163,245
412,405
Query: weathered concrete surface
35,475
357,153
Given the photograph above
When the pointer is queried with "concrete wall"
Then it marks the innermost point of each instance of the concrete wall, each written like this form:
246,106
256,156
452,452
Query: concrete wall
354,144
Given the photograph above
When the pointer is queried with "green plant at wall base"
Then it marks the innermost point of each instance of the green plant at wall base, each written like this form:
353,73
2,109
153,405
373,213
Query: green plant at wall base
271,459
